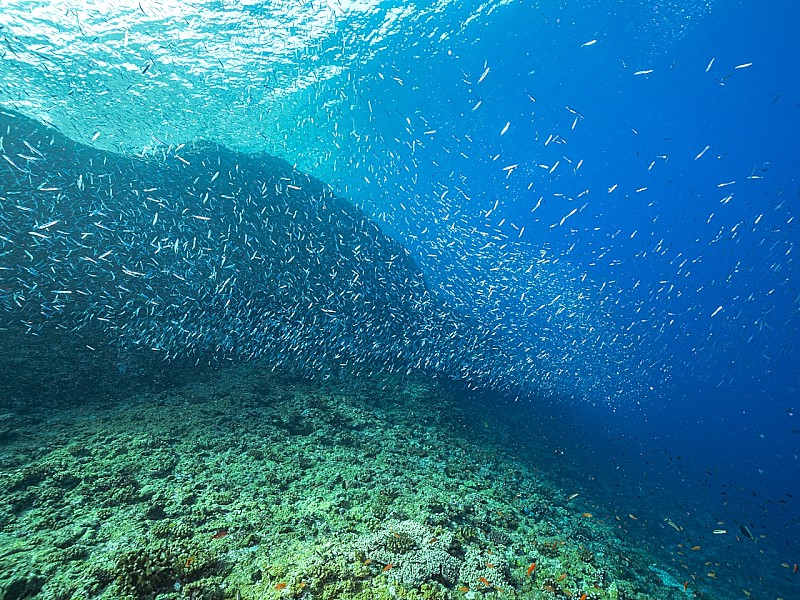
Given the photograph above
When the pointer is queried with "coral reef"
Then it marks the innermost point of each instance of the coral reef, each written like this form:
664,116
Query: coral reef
260,486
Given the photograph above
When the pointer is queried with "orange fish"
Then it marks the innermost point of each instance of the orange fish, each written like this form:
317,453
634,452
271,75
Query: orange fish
583,596
695,548
463,588
189,562
562,577
531,569
484,581
280,586
220,534
794,568
587,515
387,567
685,585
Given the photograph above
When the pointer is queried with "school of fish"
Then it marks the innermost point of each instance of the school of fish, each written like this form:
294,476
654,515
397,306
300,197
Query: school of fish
215,254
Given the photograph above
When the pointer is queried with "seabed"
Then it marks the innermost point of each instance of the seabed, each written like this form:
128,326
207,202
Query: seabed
254,484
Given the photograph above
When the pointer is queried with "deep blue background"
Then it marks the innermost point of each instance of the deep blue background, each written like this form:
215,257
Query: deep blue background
731,395
722,438
717,439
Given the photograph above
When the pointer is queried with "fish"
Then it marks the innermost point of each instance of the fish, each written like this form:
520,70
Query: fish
241,271
672,524
268,263
745,531
702,152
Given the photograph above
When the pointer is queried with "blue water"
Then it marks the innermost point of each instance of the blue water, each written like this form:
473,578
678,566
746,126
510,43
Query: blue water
610,185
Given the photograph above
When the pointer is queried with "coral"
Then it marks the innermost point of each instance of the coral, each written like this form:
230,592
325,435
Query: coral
162,566
362,522
145,572
426,565
481,566
400,543
467,533
67,536
412,553
381,503
206,589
